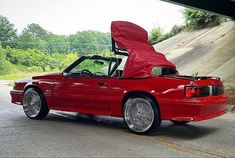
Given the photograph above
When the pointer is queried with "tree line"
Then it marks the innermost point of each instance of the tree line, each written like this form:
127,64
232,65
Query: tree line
35,37
38,50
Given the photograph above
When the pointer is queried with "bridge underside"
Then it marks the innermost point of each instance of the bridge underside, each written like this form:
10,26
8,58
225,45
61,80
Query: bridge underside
223,7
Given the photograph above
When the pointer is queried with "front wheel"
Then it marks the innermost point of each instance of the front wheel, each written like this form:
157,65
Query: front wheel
141,115
34,104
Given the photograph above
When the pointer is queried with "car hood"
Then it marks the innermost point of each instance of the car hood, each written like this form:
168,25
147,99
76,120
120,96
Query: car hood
141,55
24,80
47,76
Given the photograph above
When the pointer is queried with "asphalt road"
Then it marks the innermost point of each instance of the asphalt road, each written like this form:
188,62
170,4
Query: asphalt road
69,135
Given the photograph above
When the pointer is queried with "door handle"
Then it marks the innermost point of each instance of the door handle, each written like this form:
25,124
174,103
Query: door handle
101,83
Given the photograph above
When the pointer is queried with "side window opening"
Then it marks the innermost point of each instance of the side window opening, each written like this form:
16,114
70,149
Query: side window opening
168,71
159,71
119,71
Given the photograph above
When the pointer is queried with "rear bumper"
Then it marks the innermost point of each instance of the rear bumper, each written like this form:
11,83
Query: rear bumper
195,109
17,97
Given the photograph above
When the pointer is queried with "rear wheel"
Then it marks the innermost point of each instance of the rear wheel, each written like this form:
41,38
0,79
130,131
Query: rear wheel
141,115
180,122
34,104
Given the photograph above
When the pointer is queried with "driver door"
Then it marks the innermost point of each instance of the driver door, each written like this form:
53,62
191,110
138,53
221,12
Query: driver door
86,90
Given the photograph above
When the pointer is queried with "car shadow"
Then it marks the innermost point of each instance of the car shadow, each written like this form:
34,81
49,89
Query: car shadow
193,130
91,120
167,129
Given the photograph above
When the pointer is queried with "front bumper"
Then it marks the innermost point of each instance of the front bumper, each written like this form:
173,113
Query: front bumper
17,97
194,109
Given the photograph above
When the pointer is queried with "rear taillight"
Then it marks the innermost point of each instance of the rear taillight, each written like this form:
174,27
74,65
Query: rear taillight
218,90
192,91
203,91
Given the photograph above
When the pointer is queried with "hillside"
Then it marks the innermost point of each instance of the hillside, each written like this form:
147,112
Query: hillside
209,51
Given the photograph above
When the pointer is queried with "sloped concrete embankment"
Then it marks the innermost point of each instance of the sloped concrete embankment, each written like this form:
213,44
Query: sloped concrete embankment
209,51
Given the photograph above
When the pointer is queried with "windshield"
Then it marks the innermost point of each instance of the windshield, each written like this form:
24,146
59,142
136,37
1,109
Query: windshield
95,66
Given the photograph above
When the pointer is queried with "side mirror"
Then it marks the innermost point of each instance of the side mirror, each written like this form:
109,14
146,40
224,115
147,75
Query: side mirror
65,74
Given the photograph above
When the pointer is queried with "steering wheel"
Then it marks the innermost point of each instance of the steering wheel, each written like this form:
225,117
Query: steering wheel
86,73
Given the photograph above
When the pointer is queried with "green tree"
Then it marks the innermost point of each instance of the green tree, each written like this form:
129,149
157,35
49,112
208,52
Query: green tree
83,43
57,43
27,41
7,32
88,42
176,30
57,61
36,30
68,59
28,58
103,40
2,60
155,36
107,53
5,66
199,19
34,37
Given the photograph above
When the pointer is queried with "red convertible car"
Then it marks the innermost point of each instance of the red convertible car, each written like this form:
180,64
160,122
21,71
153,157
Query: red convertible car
140,85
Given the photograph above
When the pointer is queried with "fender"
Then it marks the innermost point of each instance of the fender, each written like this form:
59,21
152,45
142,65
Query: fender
45,87
117,107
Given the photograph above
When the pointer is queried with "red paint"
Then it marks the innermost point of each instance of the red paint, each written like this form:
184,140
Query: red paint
85,95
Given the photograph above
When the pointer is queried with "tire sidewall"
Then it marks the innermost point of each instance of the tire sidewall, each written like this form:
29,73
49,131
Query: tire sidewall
43,109
156,121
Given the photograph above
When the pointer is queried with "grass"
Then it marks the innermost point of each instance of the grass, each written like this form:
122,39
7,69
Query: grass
21,75
13,77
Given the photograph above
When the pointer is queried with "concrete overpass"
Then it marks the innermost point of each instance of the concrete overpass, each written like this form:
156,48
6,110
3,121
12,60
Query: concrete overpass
222,7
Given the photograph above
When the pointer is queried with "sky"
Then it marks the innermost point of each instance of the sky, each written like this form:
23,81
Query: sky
66,17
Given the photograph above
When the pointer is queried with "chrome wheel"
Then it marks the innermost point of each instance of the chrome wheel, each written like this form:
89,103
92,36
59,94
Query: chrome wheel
139,114
32,103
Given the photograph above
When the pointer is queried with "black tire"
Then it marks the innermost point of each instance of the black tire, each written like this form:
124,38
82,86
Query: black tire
149,106
37,108
180,122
